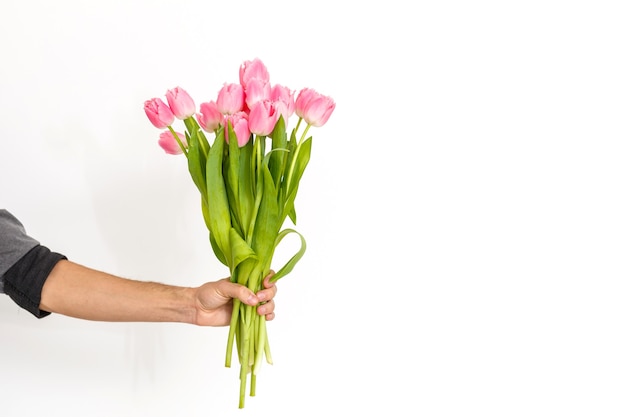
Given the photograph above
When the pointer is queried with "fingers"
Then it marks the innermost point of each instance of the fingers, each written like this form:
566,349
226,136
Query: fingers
264,299
268,277
230,290
270,288
267,310
268,294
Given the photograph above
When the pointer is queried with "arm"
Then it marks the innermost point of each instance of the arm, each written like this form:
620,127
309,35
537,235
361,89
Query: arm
77,291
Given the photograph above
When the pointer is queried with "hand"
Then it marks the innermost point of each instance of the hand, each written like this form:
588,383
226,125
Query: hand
214,301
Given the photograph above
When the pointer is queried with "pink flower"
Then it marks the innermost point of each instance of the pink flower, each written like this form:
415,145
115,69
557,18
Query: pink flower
181,103
262,118
230,99
257,90
169,143
283,100
159,113
209,117
253,69
304,97
314,107
239,121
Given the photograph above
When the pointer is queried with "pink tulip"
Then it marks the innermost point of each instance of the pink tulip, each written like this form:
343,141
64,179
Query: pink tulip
239,121
209,117
180,102
257,90
159,114
253,69
169,143
314,107
283,100
262,118
230,99
304,97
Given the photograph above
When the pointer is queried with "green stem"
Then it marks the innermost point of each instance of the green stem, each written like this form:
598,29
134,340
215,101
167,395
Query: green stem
255,350
268,353
243,373
180,143
295,130
252,385
261,339
231,332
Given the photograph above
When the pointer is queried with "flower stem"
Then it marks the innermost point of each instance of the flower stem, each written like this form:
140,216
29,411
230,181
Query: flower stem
260,348
180,143
244,366
231,332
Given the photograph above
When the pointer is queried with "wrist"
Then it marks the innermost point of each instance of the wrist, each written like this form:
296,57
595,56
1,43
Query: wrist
187,308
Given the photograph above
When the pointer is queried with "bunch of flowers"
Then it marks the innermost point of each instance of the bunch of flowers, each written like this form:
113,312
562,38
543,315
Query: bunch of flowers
247,186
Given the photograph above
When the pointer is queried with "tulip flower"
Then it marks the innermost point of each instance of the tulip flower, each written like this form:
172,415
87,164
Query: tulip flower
304,97
181,103
159,114
257,90
254,69
314,107
170,145
262,118
230,98
283,101
239,121
209,117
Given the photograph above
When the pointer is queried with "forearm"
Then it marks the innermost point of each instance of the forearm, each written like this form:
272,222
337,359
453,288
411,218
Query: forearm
77,291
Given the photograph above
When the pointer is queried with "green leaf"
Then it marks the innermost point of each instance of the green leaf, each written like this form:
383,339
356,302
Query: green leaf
292,143
216,250
196,161
288,267
295,171
246,193
217,200
277,159
267,222
240,251
232,174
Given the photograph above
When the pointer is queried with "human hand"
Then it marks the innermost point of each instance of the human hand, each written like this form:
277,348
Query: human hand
214,300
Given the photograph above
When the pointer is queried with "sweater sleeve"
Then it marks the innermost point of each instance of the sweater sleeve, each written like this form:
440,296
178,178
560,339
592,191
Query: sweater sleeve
24,281
24,264
14,242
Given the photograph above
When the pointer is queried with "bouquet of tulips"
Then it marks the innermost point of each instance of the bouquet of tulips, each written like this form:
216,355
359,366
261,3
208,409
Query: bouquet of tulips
247,186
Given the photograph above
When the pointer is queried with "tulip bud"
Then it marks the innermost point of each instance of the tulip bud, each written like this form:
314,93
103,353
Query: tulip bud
209,117
314,107
230,99
283,101
239,122
262,118
170,145
257,90
253,69
159,114
181,103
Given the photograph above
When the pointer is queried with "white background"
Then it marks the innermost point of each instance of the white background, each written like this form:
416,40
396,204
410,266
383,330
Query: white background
464,207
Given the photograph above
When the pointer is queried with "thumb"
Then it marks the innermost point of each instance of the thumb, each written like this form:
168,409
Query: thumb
241,292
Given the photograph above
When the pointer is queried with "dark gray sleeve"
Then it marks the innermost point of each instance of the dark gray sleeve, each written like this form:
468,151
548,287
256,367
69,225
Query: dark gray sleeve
24,265
14,243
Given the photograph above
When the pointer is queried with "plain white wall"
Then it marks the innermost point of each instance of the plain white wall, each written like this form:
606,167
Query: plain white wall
464,206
